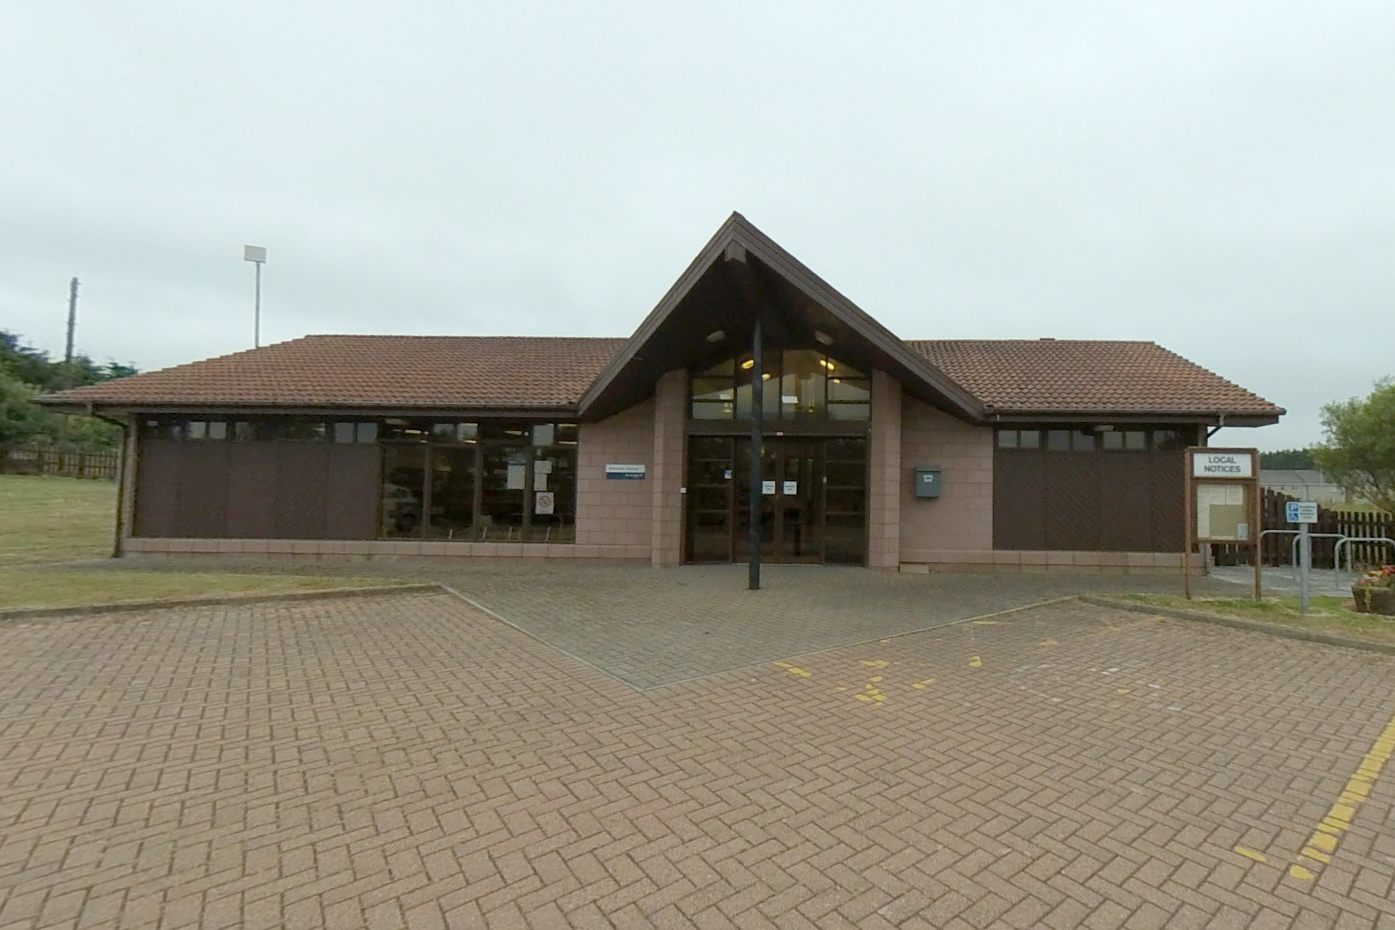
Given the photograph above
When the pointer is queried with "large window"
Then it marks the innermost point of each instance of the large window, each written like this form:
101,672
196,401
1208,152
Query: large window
486,481
798,385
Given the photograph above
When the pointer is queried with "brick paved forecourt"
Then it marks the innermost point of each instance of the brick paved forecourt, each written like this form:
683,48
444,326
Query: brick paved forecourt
408,761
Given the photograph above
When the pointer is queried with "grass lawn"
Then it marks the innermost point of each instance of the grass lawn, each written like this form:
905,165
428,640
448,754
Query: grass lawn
46,519
1333,615
45,587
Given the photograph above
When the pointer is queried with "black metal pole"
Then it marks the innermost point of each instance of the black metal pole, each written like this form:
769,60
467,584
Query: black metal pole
757,441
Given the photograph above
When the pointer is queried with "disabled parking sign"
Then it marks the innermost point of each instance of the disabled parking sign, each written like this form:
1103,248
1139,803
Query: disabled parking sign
1301,511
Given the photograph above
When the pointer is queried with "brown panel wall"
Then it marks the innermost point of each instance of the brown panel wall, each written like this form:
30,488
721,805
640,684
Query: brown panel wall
1125,504
353,493
1072,501
302,481
203,490
252,490
157,489
1087,501
1168,488
1019,502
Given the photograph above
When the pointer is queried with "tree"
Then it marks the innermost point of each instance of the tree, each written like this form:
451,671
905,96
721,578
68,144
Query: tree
1359,454
1287,458
21,420
27,372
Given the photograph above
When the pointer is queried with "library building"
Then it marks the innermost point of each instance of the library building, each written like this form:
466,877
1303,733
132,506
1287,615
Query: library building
877,451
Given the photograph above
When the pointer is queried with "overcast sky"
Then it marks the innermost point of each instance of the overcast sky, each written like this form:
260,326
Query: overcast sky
1217,177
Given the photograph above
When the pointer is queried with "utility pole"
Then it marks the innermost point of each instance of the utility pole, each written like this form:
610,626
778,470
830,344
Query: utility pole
72,327
68,358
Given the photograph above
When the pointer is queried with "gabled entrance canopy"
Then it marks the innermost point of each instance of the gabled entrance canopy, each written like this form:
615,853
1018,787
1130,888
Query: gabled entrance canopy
710,310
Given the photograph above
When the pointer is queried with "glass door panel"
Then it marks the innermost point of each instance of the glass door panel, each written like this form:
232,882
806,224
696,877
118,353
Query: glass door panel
710,484
800,527
845,501
766,517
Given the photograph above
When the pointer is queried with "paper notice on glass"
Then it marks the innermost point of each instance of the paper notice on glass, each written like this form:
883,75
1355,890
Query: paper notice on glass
517,473
540,474
542,467
791,487
767,487
1221,512
544,503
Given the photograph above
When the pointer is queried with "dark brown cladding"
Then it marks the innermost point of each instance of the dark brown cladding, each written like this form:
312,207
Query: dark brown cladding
1089,501
264,490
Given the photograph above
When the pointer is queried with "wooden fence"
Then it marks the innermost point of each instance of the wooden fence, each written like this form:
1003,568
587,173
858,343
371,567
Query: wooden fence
69,463
1277,548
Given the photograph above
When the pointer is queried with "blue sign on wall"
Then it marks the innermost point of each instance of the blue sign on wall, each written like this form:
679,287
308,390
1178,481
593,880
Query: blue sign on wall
625,472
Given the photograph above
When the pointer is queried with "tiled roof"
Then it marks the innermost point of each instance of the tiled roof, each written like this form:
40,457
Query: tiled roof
519,372
375,371
1086,376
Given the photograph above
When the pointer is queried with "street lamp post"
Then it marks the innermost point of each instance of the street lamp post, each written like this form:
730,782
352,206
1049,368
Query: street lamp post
257,255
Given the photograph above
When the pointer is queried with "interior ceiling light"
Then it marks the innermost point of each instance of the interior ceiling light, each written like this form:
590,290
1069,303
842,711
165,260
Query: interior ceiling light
823,337
716,335
749,363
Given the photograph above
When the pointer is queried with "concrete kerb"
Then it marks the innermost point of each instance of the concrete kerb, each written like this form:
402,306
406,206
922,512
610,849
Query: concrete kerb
1237,623
87,610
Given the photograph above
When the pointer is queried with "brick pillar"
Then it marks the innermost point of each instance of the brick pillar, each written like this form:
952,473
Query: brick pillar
884,493
670,409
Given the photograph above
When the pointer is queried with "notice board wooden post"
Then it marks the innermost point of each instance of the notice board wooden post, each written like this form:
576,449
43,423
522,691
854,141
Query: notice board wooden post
1222,504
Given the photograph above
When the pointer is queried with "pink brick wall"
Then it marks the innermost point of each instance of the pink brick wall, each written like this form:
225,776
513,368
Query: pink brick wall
670,408
884,491
609,512
962,519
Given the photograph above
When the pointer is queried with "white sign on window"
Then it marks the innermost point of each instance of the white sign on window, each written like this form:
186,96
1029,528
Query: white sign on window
791,487
545,503
767,487
1223,465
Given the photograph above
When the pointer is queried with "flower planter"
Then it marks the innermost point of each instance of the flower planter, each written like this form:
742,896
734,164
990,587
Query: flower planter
1374,600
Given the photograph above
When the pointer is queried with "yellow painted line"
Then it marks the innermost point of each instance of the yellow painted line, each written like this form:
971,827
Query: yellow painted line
1048,642
876,663
1251,854
794,669
975,662
1125,690
1322,845
920,685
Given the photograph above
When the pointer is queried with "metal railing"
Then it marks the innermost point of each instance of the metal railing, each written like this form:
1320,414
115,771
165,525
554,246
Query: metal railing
1346,540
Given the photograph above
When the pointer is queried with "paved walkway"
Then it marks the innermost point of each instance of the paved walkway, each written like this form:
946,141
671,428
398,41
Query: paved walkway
406,761
656,627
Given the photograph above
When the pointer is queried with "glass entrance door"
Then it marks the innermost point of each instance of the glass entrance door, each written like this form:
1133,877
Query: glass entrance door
793,515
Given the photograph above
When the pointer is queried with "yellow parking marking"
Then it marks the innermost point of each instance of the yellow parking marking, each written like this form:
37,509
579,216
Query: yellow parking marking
975,662
1328,835
1048,642
876,663
794,669
1125,690
1251,854
920,685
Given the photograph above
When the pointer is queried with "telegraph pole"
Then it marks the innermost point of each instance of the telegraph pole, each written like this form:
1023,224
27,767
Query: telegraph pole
68,358
72,327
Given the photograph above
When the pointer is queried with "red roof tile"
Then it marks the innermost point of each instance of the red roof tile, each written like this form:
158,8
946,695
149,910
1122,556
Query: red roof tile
521,372
375,371
1086,376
